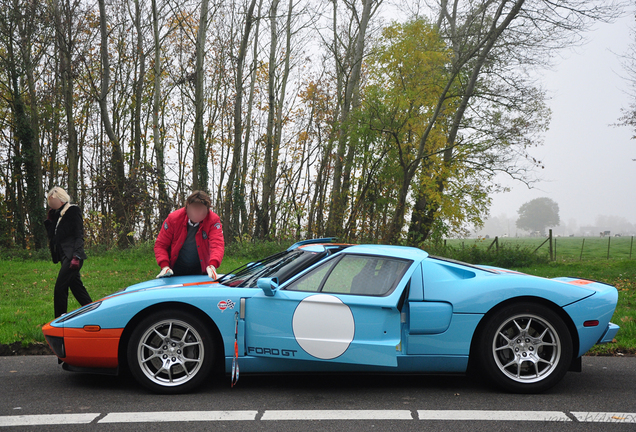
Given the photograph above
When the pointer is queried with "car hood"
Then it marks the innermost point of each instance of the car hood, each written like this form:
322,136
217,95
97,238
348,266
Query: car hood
171,282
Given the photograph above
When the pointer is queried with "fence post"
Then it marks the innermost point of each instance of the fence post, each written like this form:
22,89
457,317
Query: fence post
608,245
582,245
494,242
631,246
550,246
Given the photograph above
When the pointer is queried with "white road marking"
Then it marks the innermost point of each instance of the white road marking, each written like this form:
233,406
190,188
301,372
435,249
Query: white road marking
170,416
604,417
47,419
281,415
493,415
337,415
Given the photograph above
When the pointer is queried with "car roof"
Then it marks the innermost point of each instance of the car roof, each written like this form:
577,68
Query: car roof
404,252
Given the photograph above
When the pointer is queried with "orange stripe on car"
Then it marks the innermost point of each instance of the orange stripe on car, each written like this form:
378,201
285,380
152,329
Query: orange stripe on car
200,283
581,282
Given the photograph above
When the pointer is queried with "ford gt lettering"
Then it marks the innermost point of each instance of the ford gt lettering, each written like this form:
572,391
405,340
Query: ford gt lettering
271,351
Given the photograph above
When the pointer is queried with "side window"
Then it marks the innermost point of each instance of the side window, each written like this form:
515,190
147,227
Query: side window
311,281
365,275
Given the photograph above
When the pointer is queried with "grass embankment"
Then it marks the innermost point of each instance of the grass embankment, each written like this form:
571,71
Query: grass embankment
26,290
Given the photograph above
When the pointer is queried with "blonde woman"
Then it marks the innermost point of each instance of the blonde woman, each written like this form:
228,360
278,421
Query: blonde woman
65,228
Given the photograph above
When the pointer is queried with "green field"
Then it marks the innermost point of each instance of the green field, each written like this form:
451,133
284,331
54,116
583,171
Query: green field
27,284
565,248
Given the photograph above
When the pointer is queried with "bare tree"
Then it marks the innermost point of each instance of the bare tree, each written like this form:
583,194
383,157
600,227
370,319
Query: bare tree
138,89
200,161
344,153
118,177
64,13
157,130
233,193
22,47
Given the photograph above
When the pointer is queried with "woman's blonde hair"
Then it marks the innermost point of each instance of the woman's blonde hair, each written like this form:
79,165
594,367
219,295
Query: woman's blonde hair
59,193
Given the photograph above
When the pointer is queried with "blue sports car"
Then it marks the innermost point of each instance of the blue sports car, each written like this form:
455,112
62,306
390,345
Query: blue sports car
325,307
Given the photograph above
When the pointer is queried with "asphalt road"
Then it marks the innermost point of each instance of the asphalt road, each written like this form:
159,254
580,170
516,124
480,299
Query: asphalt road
602,397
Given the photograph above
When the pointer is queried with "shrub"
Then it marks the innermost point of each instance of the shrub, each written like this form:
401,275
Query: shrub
504,256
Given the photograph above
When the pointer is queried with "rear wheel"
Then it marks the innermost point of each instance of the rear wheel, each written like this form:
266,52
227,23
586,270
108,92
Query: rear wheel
525,348
170,352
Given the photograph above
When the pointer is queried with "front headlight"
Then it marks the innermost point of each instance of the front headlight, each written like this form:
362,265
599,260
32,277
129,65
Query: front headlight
80,311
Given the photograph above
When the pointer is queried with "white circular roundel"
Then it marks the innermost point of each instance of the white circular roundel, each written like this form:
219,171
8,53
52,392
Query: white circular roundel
323,326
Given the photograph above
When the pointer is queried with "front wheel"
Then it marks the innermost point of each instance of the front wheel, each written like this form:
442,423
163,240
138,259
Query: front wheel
525,348
170,352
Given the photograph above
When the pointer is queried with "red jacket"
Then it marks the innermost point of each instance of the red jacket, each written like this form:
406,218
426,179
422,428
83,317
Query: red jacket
173,232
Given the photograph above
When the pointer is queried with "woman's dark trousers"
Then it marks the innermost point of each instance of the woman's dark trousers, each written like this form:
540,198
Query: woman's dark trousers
69,278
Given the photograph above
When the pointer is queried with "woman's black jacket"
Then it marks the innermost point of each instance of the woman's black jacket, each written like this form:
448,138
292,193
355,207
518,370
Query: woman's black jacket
66,238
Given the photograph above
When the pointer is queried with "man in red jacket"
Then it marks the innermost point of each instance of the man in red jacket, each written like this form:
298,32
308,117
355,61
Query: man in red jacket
190,241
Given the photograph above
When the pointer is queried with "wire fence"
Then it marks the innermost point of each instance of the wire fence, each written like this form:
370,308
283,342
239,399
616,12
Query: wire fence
566,248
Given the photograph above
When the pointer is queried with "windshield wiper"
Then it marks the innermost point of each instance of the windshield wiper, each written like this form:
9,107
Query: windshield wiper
268,271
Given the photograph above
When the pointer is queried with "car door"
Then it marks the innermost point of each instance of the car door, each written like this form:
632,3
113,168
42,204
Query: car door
432,327
344,310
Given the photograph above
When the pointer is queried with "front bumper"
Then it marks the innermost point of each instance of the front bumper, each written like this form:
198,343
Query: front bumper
89,347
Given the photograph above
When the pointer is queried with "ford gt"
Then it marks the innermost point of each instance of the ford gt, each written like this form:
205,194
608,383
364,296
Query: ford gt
320,306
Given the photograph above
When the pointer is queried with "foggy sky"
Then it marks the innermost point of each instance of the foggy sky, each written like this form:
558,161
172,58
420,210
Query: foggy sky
589,169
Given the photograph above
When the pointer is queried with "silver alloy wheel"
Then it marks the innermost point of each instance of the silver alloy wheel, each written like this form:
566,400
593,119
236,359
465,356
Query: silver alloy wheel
526,348
170,353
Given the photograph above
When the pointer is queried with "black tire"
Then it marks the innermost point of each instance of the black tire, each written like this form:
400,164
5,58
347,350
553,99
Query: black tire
525,348
170,352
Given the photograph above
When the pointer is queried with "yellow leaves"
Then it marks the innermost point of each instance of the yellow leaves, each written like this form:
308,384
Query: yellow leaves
303,136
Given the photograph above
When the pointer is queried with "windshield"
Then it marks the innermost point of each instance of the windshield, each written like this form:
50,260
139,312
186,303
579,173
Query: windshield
282,265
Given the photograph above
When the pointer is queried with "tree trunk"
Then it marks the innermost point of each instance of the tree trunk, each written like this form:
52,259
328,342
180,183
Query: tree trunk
27,123
63,30
117,178
157,134
200,161
344,154
138,88
231,207
262,229
278,128
245,217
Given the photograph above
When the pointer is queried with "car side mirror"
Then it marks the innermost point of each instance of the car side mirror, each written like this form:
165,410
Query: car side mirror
268,285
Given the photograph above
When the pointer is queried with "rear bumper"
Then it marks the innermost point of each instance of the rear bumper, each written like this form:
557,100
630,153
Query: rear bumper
598,307
609,334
